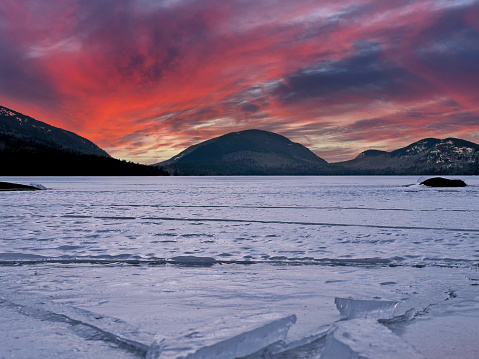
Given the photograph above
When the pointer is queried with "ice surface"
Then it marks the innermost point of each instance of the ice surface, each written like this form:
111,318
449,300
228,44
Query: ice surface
166,255
337,220
365,339
177,300
452,341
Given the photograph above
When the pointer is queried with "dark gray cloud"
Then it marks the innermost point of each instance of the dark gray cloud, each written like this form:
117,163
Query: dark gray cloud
400,66
450,47
22,77
365,73
250,107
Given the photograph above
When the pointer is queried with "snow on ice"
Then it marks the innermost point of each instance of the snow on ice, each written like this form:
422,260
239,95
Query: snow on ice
277,267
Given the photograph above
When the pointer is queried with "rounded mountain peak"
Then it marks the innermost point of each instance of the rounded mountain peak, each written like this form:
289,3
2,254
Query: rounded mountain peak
250,151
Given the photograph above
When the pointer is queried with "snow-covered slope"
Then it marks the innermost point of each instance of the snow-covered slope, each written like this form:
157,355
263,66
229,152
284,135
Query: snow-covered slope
427,156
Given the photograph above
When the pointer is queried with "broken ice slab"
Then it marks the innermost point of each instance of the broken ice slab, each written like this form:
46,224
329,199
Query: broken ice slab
365,339
59,323
225,339
355,308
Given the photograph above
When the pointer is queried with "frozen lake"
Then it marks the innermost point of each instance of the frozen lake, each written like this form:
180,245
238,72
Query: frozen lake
223,267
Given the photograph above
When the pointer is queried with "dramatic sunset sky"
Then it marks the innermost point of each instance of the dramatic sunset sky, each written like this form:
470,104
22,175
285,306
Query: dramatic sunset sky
144,79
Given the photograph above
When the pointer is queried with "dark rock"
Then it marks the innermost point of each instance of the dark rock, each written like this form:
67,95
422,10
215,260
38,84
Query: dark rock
443,182
7,186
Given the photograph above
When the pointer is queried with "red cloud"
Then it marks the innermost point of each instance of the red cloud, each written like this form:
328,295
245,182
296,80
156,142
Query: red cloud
144,80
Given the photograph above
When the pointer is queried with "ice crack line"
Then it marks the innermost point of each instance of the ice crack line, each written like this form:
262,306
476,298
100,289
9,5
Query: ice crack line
285,207
374,209
326,224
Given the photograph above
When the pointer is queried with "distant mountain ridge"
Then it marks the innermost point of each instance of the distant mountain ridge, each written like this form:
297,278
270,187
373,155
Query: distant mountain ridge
249,152
20,130
257,152
31,147
450,156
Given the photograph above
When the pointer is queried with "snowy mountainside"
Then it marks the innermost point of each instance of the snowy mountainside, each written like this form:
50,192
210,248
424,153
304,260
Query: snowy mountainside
450,156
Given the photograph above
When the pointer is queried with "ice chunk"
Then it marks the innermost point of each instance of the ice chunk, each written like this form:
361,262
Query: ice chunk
354,308
365,339
224,340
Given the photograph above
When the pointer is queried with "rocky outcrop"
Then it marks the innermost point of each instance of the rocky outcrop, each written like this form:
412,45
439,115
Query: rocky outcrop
7,186
443,182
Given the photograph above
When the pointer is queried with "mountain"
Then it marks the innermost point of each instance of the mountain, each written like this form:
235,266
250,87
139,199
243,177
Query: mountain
17,129
256,152
32,148
429,156
249,152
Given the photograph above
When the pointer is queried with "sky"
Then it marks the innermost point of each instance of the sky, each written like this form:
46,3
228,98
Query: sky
145,79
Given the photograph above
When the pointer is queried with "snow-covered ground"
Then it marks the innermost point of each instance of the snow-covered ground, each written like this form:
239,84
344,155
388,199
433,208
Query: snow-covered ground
225,267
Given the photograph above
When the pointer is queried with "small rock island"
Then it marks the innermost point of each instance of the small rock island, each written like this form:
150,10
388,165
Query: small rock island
443,182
